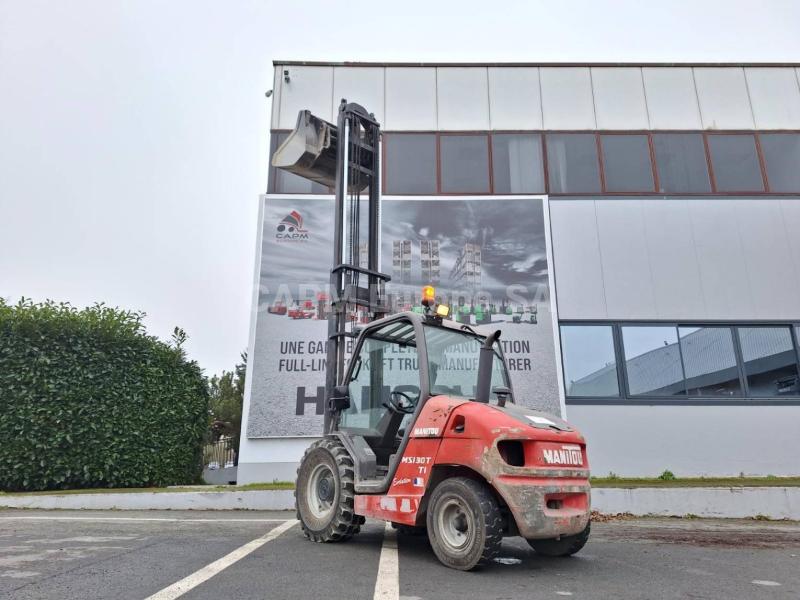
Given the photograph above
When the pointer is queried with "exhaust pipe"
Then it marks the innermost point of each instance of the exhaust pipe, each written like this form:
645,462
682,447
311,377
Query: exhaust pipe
485,360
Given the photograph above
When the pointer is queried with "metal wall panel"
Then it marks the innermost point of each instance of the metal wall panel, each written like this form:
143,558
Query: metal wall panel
576,256
567,98
771,271
790,212
677,438
721,259
363,85
677,287
277,79
308,88
775,96
410,98
462,98
671,98
663,259
515,100
627,277
619,101
723,97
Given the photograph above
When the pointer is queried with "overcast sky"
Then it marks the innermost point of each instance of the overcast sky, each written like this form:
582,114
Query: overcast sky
134,135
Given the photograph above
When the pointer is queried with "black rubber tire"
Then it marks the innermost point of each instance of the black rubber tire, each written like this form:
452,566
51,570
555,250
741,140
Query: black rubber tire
483,544
566,546
342,522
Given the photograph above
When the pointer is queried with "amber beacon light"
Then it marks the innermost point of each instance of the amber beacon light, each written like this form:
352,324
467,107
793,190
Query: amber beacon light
428,295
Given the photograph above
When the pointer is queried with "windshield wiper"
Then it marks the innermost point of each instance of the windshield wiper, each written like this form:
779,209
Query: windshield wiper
470,329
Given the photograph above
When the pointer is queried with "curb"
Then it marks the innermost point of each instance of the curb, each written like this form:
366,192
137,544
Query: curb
725,502
730,502
235,500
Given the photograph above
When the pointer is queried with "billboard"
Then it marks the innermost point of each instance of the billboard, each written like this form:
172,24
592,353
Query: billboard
487,258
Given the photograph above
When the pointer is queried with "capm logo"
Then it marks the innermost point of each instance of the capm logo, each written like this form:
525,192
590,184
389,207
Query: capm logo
290,228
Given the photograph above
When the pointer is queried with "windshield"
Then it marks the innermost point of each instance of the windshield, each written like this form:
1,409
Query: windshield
453,363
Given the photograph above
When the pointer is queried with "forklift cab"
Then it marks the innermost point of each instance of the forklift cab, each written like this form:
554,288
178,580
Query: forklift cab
398,364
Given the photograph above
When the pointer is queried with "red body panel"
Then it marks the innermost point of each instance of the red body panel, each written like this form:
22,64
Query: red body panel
547,492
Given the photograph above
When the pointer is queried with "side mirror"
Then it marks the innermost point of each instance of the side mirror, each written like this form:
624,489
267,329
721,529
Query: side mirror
503,395
340,398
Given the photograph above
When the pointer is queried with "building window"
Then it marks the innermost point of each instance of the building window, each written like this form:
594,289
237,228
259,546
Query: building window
734,162
517,163
653,360
282,182
709,361
410,164
590,367
770,361
572,165
782,160
464,164
681,162
626,163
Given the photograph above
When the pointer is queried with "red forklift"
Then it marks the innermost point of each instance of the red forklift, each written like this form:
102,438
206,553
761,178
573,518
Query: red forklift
414,433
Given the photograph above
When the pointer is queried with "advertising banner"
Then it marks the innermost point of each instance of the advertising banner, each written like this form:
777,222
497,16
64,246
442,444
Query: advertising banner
486,257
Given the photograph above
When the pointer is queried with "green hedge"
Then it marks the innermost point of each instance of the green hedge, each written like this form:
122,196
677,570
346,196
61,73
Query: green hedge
88,399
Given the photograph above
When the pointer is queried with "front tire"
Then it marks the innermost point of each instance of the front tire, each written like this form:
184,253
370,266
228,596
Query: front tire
566,546
325,493
465,528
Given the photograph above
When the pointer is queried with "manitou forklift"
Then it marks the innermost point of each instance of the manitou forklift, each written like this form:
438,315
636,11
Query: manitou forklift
421,428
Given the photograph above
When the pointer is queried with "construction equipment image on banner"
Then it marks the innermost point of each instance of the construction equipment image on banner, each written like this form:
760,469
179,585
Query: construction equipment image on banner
486,258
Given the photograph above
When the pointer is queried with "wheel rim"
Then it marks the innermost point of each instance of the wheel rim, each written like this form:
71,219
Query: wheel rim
456,524
321,491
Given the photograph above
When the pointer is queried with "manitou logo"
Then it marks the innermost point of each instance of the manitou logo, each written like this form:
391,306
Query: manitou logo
290,229
567,455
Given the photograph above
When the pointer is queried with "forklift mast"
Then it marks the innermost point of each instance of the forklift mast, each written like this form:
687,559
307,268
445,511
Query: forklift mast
346,157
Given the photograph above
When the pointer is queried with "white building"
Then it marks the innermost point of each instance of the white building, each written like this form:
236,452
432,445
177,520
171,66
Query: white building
673,195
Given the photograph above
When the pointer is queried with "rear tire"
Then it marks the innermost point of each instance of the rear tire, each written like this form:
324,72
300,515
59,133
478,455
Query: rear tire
566,546
465,528
325,493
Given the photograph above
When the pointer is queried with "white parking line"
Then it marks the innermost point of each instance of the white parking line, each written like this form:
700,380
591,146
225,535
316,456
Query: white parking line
387,585
179,588
171,520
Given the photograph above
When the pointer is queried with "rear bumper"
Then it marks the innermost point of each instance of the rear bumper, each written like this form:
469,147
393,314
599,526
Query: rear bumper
546,507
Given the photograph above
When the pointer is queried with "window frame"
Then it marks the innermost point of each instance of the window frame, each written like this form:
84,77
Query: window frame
615,346
740,356
706,155
707,135
545,133
490,177
763,158
384,162
651,154
542,150
625,398
599,154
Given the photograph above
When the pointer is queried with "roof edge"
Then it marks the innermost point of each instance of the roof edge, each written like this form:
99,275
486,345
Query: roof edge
315,63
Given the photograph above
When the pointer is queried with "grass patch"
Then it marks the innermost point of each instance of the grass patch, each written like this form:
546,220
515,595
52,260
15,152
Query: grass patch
276,485
677,482
613,481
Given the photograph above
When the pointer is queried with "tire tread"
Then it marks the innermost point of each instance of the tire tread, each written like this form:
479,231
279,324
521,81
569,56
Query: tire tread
345,523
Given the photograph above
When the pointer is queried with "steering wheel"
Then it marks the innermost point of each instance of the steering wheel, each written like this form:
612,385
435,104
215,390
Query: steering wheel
400,402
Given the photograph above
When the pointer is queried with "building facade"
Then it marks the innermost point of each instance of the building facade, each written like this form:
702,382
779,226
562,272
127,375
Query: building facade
673,225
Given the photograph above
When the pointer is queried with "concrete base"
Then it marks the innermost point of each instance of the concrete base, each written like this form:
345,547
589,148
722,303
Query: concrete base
222,476
233,500
748,502
738,502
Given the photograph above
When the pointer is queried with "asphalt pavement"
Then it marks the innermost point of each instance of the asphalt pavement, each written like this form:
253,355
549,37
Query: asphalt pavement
241,555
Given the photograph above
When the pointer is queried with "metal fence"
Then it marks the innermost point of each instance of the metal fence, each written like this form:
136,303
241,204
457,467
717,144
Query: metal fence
221,454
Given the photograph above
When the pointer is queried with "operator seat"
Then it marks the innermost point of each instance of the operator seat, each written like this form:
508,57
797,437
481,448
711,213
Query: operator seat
387,440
